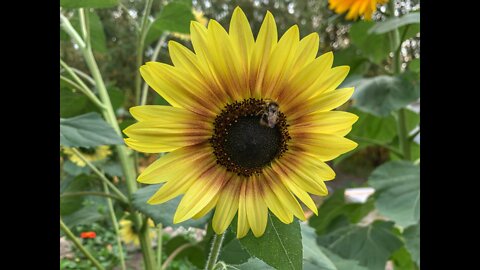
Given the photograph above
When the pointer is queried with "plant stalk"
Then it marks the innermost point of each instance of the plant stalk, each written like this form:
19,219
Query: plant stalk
159,245
144,26
214,251
79,245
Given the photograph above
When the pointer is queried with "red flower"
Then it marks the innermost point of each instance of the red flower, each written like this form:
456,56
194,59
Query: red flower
86,235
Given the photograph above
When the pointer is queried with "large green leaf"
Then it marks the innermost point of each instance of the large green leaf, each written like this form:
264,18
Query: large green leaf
97,34
341,263
232,251
397,189
334,211
174,17
87,130
412,241
68,205
313,256
383,94
375,47
402,260
163,213
371,246
88,3
251,264
284,239
393,23
194,253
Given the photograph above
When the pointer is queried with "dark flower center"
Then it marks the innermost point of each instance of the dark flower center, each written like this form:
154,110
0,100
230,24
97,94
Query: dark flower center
249,135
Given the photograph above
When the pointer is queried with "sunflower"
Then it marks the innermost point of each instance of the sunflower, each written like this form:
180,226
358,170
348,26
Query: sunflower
355,8
128,233
91,154
250,126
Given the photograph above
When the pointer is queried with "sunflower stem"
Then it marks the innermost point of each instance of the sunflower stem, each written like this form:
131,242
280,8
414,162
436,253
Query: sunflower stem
79,245
214,251
144,26
125,158
395,42
111,210
159,245
159,45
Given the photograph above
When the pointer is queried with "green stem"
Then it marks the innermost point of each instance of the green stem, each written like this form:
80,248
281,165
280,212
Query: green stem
81,85
100,175
144,26
111,210
159,45
159,245
68,28
79,245
91,193
214,251
174,254
395,41
126,161
84,75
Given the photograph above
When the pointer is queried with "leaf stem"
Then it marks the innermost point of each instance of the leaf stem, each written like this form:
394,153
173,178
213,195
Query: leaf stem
79,245
91,193
144,26
395,41
174,254
100,175
214,251
111,210
80,85
159,245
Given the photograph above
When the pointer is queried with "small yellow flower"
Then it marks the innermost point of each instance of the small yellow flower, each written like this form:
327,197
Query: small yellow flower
250,127
91,154
355,8
128,233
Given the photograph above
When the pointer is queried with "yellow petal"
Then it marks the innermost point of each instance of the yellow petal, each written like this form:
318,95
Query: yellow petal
324,102
264,44
303,178
315,165
275,205
257,211
200,193
283,194
281,62
242,224
331,122
301,194
207,208
330,81
227,205
165,113
172,163
306,52
324,146
242,37
148,147
180,184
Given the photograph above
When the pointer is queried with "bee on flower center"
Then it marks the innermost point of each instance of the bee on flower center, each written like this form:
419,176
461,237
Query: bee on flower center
269,116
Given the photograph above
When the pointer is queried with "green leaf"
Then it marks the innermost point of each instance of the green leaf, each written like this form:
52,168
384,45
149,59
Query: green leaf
394,23
383,94
341,263
313,256
163,213
375,47
414,65
371,245
88,3
397,189
284,239
335,209
87,130
86,215
68,205
97,34
412,241
402,260
353,58
73,103
174,17
117,97
74,170
251,264
232,251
